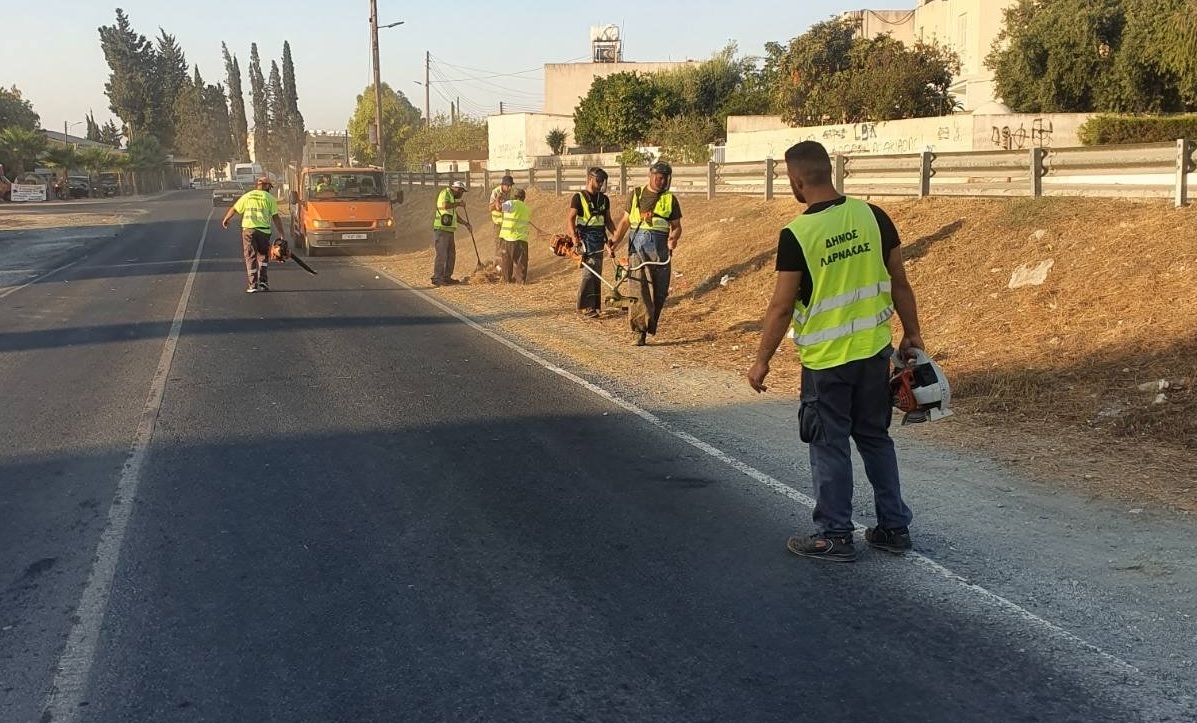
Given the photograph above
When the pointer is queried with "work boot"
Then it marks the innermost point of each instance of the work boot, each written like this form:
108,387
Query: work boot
639,338
822,546
890,539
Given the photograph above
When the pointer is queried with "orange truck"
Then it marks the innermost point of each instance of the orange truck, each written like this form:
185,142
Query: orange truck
342,208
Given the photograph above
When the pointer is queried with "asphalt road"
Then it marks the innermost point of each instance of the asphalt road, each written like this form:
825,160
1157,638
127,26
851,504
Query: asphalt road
337,502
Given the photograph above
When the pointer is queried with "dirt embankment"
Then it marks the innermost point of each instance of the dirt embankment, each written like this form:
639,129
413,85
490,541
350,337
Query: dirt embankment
1086,379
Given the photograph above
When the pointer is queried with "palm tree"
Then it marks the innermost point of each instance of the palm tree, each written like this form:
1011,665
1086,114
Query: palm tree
96,160
20,148
60,156
556,141
147,158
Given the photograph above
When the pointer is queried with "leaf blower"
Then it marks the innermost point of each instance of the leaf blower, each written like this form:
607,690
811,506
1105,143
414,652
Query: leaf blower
920,388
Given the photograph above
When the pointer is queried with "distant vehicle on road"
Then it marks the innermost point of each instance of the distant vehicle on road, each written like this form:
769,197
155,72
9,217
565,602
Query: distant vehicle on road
78,187
199,183
109,184
247,172
226,193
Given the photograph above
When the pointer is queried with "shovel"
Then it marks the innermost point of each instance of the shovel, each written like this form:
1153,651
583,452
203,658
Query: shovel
470,228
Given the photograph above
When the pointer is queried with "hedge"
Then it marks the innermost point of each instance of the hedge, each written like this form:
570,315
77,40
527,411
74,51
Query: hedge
1107,129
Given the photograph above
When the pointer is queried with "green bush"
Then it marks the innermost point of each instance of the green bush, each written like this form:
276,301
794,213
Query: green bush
1112,129
633,157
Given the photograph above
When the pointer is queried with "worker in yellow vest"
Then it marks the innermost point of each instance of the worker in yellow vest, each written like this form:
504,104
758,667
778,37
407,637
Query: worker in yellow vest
444,225
589,218
498,195
513,231
654,218
259,211
839,281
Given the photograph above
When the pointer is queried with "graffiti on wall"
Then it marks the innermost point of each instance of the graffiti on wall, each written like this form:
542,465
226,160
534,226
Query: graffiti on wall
1010,139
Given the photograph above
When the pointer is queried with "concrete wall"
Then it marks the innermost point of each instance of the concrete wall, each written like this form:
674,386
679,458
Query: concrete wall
754,138
515,139
565,84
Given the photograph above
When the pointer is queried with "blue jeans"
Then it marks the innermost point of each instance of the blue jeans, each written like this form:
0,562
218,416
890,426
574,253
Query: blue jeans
851,402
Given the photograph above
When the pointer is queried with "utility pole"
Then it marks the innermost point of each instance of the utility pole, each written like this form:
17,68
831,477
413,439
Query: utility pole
427,96
500,107
377,83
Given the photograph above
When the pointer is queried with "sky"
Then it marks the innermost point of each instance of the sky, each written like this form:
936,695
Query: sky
482,52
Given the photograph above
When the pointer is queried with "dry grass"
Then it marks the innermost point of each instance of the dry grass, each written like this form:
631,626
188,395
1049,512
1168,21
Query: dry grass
1046,378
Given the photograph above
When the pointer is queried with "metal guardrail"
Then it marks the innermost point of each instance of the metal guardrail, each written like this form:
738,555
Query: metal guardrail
1162,169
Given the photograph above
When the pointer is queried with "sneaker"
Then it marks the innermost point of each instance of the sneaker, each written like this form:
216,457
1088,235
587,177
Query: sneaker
833,548
263,286
450,282
436,282
589,313
639,338
895,539
251,289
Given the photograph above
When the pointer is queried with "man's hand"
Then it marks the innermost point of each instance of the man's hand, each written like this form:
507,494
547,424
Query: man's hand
467,225
224,223
910,341
757,374
672,243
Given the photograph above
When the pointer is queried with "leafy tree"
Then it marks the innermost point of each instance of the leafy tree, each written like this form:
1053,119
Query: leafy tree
146,159
633,157
17,112
96,161
619,109
237,121
556,141
400,121
204,131
61,157
716,88
444,134
800,88
132,95
220,128
685,138
1039,69
110,135
20,148
829,74
260,100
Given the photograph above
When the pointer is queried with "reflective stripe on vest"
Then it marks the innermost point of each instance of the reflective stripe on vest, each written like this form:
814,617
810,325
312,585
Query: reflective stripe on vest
597,217
851,302
444,206
660,215
255,210
515,222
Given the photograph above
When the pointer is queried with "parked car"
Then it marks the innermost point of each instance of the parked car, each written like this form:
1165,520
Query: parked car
108,184
78,187
226,193
5,188
197,183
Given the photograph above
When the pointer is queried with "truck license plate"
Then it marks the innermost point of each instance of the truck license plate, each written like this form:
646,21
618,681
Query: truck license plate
353,236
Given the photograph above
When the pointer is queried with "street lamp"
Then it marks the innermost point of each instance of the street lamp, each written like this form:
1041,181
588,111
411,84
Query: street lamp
378,80
66,133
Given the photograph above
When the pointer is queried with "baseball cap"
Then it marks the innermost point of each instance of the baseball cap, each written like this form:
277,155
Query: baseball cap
507,180
264,180
459,185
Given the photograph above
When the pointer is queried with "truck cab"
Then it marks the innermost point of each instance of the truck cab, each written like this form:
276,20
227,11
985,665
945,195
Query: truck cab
346,208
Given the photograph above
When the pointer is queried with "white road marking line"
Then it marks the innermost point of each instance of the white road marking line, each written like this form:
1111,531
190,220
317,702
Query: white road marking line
74,667
43,277
774,484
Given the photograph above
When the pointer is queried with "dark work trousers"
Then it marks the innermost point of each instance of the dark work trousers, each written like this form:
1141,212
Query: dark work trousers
446,256
500,245
590,290
514,262
851,401
255,247
650,284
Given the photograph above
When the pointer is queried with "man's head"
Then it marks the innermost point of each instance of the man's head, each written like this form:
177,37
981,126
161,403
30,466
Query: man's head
325,179
659,176
507,183
596,178
519,194
809,167
457,188
263,183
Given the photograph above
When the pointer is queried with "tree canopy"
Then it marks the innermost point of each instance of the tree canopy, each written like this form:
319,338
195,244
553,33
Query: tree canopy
400,120
463,134
1117,56
16,111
